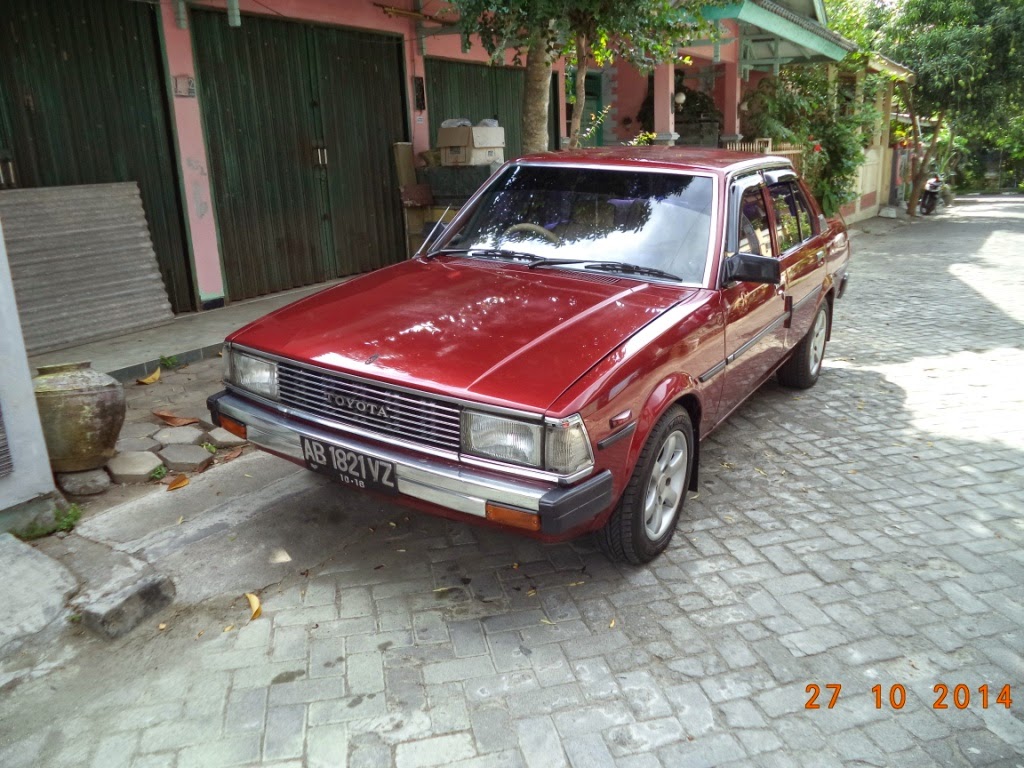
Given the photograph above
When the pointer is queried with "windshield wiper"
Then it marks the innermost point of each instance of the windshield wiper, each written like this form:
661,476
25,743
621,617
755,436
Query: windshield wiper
543,262
490,253
606,266
631,269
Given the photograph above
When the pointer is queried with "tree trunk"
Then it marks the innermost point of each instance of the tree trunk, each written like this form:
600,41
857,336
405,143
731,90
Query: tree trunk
920,174
582,56
536,96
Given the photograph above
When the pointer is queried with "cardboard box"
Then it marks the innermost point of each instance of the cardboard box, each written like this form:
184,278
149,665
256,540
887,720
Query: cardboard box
468,145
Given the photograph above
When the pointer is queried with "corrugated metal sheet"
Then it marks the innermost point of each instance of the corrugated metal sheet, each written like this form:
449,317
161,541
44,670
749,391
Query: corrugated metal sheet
82,263
476,91
6,465
300,121
83,99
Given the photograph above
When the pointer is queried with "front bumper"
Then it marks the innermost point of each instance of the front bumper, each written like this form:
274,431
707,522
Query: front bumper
432,480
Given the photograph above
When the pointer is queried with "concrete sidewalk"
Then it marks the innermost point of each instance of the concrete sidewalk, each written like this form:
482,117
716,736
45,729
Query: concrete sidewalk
189,338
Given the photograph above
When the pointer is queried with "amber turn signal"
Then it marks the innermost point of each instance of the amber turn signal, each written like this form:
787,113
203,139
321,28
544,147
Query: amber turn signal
513,517
236,428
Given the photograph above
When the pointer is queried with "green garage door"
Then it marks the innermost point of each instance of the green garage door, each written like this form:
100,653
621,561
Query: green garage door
300,121
83,101
476,91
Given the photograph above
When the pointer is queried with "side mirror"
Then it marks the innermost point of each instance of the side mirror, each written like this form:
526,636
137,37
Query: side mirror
749,268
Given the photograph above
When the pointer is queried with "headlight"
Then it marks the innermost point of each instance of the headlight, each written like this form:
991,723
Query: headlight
501,438
560,446
568,447
255,374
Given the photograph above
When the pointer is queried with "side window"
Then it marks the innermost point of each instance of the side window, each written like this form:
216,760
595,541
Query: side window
787,226
803,213
754,235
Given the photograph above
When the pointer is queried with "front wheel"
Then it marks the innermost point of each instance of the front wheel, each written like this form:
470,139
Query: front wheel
644,521
802,369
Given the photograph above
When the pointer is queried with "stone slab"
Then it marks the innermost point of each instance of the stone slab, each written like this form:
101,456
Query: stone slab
32,592
185,458
138,429
133,467
137,444
221,438
180,436
88,483
118,590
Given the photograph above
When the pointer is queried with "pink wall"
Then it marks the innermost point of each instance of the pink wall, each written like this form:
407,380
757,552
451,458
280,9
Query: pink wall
631,90
360,14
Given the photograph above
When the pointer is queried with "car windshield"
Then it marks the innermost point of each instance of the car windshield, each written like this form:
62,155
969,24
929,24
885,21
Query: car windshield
645,219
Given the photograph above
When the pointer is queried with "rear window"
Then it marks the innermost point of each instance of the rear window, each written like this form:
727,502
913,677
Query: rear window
657,220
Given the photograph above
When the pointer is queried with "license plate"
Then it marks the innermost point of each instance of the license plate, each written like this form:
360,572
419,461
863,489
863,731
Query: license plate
349,467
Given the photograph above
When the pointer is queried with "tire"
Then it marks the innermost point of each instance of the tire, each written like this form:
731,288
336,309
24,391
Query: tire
801,371
928,206
644,521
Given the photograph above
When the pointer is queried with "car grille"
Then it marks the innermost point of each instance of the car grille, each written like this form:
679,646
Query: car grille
370,406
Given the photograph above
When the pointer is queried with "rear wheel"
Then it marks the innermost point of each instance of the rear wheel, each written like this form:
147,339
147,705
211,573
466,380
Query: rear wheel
802,369
644,521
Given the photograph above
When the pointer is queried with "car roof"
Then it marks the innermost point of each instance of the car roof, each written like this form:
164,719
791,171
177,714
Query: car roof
718,161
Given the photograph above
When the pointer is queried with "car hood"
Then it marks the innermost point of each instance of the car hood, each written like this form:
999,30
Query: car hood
491,331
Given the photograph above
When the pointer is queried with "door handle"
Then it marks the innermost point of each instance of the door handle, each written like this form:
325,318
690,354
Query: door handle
325,155
820,255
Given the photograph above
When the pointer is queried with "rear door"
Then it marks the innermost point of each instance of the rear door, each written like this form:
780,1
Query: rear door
801,248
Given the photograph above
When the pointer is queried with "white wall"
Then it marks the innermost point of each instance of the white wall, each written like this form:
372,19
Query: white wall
31,477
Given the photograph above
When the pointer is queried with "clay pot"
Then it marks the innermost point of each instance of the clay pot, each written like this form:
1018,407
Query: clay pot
82,411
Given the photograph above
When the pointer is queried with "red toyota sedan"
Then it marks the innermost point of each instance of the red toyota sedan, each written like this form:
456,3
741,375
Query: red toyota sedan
550,361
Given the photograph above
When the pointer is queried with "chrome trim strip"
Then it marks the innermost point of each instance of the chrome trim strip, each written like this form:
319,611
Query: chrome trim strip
812,295
613,438
711,372
454,487
760,335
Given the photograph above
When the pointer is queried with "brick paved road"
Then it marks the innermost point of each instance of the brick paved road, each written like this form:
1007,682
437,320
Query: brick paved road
867,532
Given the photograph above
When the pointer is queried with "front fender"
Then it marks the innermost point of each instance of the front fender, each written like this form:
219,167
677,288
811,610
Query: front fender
670,390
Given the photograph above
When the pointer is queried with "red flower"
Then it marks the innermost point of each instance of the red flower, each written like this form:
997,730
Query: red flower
817,147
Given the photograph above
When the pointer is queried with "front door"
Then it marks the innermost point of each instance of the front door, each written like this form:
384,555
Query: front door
754,311
300,122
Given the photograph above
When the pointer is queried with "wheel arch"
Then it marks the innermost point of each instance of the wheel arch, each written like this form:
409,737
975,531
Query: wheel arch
678,390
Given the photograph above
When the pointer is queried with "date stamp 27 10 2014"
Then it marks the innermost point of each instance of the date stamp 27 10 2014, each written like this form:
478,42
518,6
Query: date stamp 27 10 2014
958,696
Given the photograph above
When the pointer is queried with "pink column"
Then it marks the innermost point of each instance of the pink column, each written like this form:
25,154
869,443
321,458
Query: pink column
664,107
191,148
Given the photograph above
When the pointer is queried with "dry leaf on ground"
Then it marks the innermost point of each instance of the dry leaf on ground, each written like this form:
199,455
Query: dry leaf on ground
153,378
231,455
254,605
171,420
179,482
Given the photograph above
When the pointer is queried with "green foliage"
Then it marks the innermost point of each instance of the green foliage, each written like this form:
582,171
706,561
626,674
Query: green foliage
642,139
643,32
210,447
831,121
64,520
968,67
170,362
159,473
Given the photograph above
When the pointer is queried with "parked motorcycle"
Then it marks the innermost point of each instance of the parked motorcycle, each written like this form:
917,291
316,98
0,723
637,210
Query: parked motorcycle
932,195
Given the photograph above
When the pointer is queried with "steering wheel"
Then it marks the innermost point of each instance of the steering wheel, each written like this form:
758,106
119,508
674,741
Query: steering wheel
537,229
